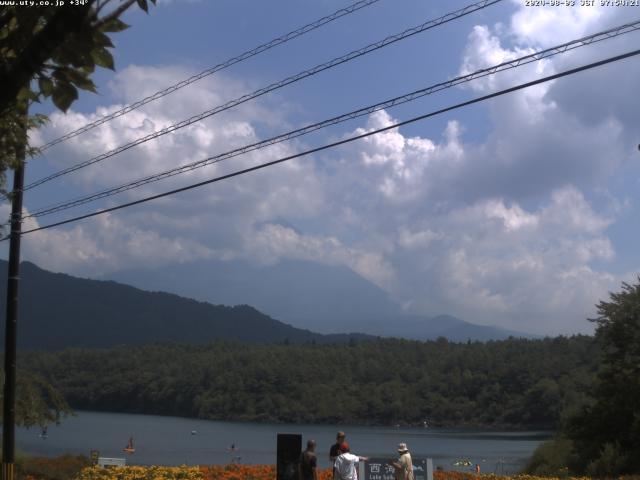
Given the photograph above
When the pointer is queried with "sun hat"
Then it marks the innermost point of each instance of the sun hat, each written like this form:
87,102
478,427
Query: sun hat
402,447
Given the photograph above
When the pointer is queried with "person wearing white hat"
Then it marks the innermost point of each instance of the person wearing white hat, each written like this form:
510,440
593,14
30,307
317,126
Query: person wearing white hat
404,464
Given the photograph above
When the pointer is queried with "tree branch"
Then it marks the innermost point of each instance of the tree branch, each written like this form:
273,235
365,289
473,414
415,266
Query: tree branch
114,14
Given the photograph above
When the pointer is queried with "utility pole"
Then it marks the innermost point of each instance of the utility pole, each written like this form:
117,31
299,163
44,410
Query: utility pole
11,321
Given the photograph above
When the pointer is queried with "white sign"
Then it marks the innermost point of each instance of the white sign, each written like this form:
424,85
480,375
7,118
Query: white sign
111,462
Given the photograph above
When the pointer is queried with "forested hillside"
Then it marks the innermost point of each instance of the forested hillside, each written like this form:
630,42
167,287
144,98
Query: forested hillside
513,383
59,311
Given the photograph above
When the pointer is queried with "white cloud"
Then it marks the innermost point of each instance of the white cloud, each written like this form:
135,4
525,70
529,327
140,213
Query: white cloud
520,268
570,211
107,243
415,240
542,137
273,242
398,161
513,218
550,26
484,49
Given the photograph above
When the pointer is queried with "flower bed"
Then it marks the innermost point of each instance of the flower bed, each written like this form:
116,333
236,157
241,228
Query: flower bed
253,472
141,473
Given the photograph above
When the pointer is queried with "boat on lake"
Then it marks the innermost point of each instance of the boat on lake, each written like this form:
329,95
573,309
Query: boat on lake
129,448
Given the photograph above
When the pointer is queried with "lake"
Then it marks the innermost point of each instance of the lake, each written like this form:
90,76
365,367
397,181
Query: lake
169,441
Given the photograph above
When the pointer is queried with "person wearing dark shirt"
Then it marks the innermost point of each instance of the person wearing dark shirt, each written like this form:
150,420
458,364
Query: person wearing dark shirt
335,451
335,448
308,462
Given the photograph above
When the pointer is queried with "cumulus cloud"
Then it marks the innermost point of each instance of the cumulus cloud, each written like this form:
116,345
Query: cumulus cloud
107,243
547,27
273,242
200,140
517,262
543,137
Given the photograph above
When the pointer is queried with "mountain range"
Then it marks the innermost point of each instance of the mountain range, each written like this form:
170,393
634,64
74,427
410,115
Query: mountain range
59,310
308,295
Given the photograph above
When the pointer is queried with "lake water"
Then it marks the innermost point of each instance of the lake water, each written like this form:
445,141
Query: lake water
169,441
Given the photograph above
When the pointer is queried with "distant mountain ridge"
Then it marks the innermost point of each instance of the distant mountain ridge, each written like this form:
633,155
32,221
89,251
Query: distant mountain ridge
58,311
309,295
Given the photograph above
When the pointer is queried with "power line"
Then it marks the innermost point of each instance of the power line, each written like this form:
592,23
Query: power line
342,142
210,71
274,86
526,59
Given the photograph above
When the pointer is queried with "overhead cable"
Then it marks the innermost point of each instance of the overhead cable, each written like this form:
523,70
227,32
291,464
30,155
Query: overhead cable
510,64
210,71
274,86
341,142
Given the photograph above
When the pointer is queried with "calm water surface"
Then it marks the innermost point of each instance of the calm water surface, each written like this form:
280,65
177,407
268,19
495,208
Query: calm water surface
169,441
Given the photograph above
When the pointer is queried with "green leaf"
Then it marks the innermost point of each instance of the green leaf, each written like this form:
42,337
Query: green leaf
88,68
101,40
63,55
81,80
103,58
63,95
114,25
46,86
143,5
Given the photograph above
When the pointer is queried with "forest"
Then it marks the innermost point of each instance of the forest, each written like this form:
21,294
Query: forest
514,383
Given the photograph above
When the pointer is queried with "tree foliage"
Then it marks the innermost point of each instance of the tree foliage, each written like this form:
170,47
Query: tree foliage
513,383
606,433
602,438
48,52
38,403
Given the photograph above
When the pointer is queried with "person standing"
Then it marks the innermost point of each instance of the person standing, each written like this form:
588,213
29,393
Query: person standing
346,464
404,464
334,451
307,468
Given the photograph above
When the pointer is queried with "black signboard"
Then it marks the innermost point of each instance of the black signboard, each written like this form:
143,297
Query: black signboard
288,455
382,469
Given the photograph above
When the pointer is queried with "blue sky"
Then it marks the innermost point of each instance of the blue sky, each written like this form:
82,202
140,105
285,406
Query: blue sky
521,211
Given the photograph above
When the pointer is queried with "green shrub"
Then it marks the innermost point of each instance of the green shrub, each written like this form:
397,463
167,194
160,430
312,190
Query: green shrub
553,458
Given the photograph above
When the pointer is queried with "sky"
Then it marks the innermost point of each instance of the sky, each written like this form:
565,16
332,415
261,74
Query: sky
521,211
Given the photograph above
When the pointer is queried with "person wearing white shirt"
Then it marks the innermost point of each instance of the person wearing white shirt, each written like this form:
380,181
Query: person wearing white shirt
404,464
346,464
